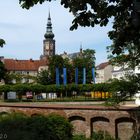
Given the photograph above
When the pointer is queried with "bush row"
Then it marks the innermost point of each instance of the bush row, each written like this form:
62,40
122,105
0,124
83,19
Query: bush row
124,87
118,90
37,88
118,85
17,126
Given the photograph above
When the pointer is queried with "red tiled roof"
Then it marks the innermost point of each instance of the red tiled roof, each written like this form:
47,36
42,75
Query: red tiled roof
102,65
24,65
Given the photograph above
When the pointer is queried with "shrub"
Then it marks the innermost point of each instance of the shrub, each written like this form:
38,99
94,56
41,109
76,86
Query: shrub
21,127
79,137
102,135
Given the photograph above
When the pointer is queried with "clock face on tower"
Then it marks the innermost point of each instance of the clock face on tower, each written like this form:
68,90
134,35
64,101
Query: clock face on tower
51,46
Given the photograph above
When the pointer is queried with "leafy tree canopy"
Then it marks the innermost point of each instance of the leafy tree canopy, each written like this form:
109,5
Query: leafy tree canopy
44,78
55,61
19,126
130,56
125,15
2,42
89,55
87,60
2,71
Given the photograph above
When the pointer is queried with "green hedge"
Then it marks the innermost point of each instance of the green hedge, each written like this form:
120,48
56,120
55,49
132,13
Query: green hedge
53,88
125,87
17,126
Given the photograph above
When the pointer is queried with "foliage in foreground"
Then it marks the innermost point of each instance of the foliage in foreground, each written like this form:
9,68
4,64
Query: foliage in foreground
80,137
100,135
2,71
20,127
15,126
2,42
124,13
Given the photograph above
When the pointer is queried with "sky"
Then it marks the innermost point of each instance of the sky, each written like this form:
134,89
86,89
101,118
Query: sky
23,30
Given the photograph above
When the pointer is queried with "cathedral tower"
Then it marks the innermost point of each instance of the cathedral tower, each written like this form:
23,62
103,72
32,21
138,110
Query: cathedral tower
48,42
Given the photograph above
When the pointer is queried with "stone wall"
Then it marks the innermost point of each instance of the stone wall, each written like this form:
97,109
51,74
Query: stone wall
120,123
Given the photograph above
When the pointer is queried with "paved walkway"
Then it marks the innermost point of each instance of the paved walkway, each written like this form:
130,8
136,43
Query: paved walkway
72,105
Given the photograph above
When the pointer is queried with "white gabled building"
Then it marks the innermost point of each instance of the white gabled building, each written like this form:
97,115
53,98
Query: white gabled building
103,72
106,71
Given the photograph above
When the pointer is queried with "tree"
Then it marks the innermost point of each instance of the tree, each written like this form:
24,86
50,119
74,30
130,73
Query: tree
55,61
85,60
10,77
80,64
89,56
44,78
129,57
37,127
125,15
70,70
58,61
2,71
17,78
2,42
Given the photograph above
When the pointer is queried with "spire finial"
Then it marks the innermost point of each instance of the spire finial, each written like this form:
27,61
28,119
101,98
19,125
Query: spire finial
81,47
49,33
49,16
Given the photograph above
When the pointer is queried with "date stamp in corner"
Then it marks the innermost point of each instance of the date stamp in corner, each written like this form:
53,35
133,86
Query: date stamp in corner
3,136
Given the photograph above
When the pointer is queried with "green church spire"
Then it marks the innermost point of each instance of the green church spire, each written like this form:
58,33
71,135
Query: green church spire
49,34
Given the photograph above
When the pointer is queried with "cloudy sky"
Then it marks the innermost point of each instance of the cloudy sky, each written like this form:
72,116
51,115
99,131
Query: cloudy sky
23,31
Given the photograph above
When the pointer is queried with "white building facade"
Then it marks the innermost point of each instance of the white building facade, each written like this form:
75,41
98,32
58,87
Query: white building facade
103,72
106,71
